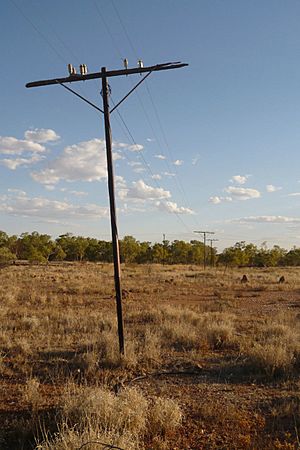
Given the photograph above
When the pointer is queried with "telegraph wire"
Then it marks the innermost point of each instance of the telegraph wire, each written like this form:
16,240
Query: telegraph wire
42,35
146,164
177,178
61,57
45,39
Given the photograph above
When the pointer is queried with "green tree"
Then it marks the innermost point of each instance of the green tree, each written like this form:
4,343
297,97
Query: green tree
129,249
35,246
6,255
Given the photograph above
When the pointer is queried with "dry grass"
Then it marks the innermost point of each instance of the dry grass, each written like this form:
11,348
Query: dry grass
96,414
274,349
58,344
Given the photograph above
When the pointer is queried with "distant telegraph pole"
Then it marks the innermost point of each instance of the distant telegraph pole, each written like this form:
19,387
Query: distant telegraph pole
211,250
105,75
204,243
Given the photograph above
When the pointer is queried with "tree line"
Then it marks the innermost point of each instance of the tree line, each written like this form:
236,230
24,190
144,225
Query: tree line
36,247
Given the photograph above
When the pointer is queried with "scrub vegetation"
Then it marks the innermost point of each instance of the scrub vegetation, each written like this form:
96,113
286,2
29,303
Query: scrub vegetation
210,362
35,247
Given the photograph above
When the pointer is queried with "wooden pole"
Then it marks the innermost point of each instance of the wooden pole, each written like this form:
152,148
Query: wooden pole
113,217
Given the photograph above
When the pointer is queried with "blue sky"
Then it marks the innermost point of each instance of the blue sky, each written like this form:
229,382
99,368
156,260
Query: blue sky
214,146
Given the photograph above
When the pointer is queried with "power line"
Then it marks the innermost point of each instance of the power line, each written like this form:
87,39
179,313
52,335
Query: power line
104,75
204,244
146,164
42,35
177,178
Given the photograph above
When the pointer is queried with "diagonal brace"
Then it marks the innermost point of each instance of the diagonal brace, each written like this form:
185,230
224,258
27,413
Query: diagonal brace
80,96
130,92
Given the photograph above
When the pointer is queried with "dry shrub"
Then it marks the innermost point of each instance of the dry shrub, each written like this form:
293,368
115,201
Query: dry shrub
185,329
218,330
107,411
151,347
31,393
179,335
274,349
96,414
165,415
92,437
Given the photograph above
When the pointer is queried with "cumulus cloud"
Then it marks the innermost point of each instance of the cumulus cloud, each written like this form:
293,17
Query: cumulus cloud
25,206
137,166
78,193
267,219
85,161
159,156
13,164
271,188
178,162
169,174
41,135
142,191
26,151
135,147
239,193
216,199
16,191
12,146
156,176
239,179
171,207
120,181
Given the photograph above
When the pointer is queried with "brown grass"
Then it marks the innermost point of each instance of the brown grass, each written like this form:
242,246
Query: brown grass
188,335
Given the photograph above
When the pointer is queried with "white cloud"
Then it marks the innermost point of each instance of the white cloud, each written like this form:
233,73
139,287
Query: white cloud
159,156
156,176
135,147
49,187
22,205
178,162
239,193
150,140
78,193
17,191
216,199
120,181
13,164
140,190
139,169
169,174
239,179
267,219
84,161
12,146
171,207
271,188
41,135
137,166
294,194
134,163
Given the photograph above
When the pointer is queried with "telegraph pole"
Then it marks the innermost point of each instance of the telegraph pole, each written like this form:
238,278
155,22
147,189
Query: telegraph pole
104,75
211,250
204,243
